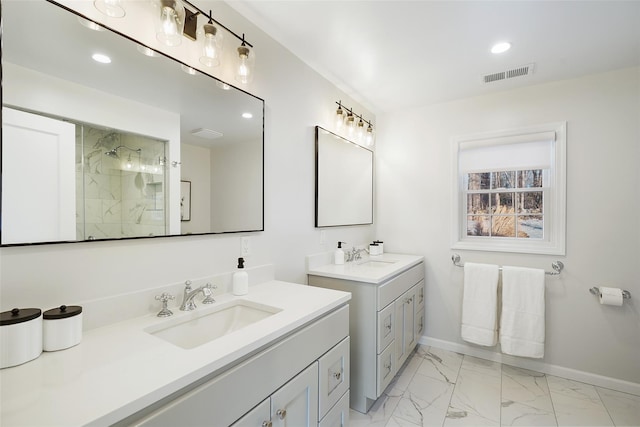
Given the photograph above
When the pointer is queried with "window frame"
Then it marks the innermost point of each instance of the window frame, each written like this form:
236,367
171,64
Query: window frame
554,240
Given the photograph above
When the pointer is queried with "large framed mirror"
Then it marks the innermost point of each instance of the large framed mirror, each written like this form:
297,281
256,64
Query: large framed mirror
95,151
344,181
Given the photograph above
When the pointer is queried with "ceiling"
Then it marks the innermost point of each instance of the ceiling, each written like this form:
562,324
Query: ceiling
391,55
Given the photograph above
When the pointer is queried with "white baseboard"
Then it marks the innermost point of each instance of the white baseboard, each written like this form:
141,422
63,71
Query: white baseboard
534,365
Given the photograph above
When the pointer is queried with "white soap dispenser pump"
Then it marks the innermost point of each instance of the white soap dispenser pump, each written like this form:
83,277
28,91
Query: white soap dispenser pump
338,255
240,279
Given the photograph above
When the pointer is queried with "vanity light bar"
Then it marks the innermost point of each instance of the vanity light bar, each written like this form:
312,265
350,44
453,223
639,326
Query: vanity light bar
349,120
198,11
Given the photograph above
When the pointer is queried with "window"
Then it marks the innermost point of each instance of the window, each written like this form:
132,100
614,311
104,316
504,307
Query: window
510,190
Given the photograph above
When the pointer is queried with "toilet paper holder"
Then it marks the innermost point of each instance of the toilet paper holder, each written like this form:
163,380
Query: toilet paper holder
596,291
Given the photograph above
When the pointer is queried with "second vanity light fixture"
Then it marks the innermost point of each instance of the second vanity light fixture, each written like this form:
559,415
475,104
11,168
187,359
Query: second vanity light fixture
174,20
354,124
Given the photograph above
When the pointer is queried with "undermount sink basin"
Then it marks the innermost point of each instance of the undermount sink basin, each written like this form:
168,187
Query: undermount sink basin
202,327
376,263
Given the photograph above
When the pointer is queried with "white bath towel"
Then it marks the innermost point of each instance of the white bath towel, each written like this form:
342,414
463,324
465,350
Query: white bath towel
522,320
479,304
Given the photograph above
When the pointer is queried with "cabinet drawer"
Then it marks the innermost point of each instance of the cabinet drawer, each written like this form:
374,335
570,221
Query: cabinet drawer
338,416
386,368
392,289
334,376
386,327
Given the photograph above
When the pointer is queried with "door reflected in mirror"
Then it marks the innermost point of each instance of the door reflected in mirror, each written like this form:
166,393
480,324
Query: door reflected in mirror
147,113
344,181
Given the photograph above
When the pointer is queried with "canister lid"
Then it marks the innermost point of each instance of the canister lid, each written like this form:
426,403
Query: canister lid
62,312
19,315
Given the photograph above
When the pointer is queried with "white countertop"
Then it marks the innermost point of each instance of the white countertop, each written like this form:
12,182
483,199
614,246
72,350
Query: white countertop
370,269
119,369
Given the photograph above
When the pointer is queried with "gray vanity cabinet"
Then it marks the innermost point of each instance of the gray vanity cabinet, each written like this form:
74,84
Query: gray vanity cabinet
301,381
385,321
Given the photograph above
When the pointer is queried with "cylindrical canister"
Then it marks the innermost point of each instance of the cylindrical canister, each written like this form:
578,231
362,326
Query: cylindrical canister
62,327
20,336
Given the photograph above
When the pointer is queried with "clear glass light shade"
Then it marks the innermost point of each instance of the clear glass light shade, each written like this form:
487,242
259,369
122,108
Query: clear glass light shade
360,130
350,123
245,63
210,40
170,23
339,118
112,8
369,136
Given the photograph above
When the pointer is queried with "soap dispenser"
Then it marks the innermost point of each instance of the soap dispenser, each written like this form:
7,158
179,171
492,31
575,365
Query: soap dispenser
240,279
338,255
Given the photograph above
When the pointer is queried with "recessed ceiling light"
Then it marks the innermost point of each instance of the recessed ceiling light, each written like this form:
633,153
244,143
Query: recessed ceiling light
188,70
500,47
90,24
146,51
99,57
247,115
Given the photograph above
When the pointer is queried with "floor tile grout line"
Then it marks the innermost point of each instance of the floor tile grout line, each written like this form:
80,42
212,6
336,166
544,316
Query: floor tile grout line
553,406
604,405
455,384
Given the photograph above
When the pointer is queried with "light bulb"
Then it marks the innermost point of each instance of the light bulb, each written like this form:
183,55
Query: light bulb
360,130
339,119
369,136
170,24
111,8
211,40
351,124
244,70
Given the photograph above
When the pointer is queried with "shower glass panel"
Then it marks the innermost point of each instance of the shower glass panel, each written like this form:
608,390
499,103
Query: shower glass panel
121,186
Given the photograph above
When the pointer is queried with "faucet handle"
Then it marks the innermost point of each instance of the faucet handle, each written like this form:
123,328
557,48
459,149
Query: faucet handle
187,285
207,290
164,298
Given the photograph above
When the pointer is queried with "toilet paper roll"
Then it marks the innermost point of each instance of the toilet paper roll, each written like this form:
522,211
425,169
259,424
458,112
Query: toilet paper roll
610,296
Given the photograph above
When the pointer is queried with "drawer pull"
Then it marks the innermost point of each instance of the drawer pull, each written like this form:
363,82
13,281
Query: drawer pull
281,413
388,326
267,424
337,375
388,367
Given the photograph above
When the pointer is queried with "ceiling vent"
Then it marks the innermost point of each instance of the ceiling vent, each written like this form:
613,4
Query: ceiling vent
524,70
206,133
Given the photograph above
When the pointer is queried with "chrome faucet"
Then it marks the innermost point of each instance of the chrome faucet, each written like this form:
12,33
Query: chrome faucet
354,254
189,294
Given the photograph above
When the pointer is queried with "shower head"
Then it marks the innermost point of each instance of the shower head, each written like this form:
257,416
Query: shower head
113,153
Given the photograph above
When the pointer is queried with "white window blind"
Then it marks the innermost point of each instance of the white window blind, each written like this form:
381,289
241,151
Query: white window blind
528,151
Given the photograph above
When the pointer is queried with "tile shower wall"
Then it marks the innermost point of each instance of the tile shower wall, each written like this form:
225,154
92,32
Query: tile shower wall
123,197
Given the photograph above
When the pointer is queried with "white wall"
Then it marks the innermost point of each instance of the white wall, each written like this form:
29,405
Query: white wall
297,99
196,168
603,238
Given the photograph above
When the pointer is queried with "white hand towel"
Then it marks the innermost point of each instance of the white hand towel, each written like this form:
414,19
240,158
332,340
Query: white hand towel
522,320
479,304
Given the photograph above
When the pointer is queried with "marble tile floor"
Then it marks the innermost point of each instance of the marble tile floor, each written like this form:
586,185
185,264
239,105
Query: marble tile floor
441,388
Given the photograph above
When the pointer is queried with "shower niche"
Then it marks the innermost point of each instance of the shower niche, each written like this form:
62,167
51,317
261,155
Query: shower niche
120,184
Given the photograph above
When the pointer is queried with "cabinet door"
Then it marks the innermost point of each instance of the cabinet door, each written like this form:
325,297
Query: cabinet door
260,416
405,320
296,403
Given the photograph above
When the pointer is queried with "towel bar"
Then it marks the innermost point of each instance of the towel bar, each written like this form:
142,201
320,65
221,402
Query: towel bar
596,291
557,266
